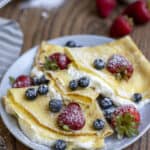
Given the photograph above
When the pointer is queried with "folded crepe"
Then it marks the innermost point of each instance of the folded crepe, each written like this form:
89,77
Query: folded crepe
63,77
139,81
36,120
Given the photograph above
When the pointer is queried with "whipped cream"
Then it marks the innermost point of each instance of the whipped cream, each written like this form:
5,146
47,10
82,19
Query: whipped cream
31,132
36,72
54,94
99,85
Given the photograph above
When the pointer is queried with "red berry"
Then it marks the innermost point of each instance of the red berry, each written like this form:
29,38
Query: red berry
121,26
71,117
119,65
125,120
138,11
61,59
126,1
22,81
105,7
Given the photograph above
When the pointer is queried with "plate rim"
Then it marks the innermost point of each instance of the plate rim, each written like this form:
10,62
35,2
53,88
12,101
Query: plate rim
34,49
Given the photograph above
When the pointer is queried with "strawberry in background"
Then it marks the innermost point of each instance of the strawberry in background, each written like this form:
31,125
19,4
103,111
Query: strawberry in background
105,7
126,1
139,11
121,26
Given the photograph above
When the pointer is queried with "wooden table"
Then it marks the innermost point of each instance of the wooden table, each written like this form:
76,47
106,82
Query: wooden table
75,17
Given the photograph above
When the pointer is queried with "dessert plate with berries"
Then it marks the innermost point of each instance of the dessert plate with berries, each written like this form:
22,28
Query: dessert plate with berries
78,92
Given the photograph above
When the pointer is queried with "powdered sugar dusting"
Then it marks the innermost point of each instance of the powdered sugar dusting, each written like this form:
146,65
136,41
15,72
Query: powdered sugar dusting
72,116
119,64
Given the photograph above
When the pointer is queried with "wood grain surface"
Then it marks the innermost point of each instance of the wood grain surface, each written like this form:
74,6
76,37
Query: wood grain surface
74,17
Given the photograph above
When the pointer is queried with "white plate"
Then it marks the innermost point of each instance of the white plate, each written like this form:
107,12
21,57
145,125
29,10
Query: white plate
23,66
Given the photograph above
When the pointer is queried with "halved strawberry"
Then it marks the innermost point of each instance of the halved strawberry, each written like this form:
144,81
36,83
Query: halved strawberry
125,121
71,118
120,66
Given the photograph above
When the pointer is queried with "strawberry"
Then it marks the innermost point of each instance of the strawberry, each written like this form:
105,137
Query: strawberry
61,60
120,66
138,11
125,121
126,1
105,7
121,26
22,81
71,118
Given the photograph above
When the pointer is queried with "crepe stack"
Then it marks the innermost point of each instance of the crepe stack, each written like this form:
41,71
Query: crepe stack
40,125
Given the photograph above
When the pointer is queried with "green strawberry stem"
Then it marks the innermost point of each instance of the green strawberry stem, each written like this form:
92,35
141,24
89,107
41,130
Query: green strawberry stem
50,64
66,128
126,126
12,80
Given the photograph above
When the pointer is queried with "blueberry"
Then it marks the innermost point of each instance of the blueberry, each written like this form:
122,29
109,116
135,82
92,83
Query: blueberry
99,64
36,81
43,89
108,113
98,124
43,80
84,82
55,105
71,44
73,85
137,97
60,145
105,102
31,93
